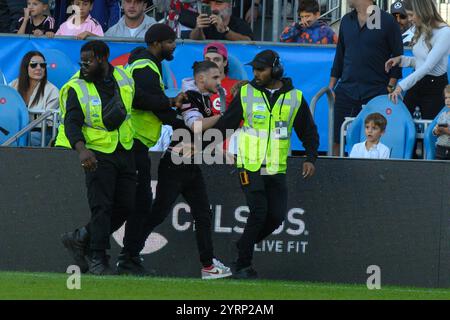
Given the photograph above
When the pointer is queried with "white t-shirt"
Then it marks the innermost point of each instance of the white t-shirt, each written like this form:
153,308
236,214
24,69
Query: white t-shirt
133,31
378,151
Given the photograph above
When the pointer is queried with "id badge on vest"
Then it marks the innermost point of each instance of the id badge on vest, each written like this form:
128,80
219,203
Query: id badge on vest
281,130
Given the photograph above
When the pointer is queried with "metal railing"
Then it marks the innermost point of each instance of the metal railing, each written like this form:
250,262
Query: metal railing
313,106
349,120
41,120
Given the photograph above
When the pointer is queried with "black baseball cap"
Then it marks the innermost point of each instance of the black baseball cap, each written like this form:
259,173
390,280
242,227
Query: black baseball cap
398,7
159,32
264,59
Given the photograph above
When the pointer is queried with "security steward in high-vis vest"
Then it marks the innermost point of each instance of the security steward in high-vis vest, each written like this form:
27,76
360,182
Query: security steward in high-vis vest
270,107
96,106
146,69
145,66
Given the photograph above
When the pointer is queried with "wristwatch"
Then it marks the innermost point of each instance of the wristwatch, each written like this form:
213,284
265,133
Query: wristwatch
391,88
227,29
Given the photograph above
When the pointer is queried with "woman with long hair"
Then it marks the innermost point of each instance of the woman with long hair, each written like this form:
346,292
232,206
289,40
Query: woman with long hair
431,47
38,93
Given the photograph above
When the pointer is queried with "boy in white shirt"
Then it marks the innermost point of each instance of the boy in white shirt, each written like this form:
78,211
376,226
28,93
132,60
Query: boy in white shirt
372,148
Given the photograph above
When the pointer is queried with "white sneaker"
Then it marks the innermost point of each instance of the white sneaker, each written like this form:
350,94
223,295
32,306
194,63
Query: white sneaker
216,271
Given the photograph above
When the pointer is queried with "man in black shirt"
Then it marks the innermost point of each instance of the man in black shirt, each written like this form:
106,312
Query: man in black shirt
361,53
221,24
260,106
110,170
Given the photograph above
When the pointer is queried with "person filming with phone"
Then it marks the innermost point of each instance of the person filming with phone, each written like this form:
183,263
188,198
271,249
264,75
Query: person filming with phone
216,22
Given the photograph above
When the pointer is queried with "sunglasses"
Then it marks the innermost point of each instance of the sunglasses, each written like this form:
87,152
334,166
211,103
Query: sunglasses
402,16
85,65
33,65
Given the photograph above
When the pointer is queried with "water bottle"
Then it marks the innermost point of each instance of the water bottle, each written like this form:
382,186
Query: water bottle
417,115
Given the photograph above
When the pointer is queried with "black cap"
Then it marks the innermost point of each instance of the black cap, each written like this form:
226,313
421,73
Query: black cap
159,32
398,7
264,59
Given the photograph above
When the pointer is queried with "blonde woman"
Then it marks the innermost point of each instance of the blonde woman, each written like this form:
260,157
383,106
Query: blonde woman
431,47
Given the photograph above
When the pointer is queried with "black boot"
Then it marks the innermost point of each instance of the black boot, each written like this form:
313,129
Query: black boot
98,264
76,243
246,273
128,265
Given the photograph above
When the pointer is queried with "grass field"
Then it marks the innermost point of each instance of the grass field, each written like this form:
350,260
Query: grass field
14,285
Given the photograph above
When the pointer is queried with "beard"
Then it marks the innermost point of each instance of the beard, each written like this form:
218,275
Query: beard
93,75
167,55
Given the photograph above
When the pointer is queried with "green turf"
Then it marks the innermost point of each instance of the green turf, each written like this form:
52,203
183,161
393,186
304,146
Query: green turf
14,285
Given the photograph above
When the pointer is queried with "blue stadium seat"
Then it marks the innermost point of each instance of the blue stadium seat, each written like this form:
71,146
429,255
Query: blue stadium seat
400,132
430,140
60,67
2,78
236,69
13,115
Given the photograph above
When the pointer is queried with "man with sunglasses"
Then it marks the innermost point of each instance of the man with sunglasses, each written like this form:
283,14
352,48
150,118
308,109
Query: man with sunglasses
399,13
96,111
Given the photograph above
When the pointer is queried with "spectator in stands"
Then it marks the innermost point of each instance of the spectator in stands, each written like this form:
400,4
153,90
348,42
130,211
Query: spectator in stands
81,24
372,148
361,54
310,29
399,12
134,23
10,13
442,130
247,10
431,47
38,93
218,53
35,22
221,24
106,12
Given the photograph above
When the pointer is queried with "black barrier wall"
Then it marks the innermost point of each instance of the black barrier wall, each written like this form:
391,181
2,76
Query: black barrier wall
353,214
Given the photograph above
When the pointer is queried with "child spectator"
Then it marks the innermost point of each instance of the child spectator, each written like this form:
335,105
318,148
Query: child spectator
310,29
35,21
442,130
372,148
81,24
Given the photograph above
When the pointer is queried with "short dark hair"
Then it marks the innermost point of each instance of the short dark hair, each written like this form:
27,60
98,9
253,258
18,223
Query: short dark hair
98,47
378,119
311,6
203,66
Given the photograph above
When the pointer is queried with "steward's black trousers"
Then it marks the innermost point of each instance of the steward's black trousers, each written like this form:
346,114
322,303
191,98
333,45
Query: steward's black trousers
143,202
266,197
187,180
111,194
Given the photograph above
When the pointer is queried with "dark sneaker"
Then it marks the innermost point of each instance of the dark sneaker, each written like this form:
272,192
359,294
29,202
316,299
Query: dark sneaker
132,266
76,243
245,273
99,266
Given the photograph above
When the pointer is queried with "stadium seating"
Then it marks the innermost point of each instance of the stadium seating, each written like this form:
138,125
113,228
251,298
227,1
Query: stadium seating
236,68
430,139
400,132
13,115
2,78
60,67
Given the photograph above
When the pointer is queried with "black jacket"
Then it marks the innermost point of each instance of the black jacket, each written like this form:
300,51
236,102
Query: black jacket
147,80
74,117
304,124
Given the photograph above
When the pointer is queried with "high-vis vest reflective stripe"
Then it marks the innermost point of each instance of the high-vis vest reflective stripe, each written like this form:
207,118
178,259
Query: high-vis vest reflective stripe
96,135
147,126
260,141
